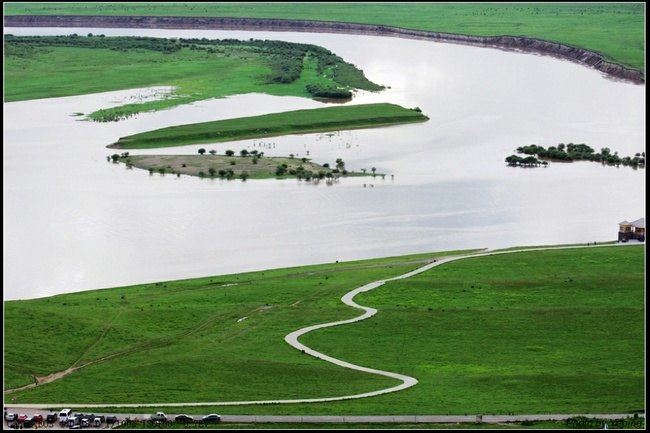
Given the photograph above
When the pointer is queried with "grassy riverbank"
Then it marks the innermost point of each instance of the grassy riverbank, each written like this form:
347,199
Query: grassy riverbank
534,332
233,167
613,29
269,125
47,66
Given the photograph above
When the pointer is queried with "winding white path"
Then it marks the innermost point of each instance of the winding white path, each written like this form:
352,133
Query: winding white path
292,339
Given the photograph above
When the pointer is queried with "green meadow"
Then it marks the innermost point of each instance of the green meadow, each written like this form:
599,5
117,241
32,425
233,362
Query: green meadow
269,125
614,29
555,331
197,69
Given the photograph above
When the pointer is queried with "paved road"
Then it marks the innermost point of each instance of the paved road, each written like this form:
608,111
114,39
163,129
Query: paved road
292,339
404,419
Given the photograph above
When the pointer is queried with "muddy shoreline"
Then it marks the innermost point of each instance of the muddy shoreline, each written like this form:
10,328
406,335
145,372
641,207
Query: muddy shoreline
511,43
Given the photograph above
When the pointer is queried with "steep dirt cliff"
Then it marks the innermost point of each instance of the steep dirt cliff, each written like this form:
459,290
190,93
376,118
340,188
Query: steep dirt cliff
514,43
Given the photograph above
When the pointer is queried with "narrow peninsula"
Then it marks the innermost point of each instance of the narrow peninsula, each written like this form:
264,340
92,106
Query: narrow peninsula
270,125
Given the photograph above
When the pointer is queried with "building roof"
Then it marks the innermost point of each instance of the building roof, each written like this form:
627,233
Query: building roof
639,224
624,223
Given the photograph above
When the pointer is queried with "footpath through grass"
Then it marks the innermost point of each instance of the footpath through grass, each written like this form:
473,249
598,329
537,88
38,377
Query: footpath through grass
206,339
269,125
54,66
532,332
556,331
614,29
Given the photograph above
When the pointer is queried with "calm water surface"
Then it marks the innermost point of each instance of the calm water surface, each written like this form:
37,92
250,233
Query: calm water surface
73,221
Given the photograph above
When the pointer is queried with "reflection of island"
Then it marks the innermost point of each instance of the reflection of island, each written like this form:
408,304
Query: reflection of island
569,153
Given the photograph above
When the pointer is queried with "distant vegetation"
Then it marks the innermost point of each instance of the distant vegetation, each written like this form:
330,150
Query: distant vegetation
572,152
288,122
613,29
50,66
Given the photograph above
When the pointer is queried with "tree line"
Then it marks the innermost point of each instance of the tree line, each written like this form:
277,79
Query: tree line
572,152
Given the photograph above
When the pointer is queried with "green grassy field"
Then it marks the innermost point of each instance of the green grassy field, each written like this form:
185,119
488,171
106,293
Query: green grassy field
613,29
212,166
269,125
44,67
371,426
532,332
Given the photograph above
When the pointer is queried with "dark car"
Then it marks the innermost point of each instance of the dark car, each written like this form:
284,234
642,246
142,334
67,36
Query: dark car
183,418
111,419
50,418
28,423
213,417
37,418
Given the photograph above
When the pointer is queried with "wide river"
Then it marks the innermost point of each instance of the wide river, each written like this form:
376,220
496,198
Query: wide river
73,221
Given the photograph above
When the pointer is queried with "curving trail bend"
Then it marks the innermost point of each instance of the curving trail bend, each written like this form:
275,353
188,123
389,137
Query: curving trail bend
292,340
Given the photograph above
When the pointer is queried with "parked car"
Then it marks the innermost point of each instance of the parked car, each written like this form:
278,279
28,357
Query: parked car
11,417
213,417
28,423
73,421
50,418
22,418
85,422
64,414
37,418
183,418
97,421
111,419
159,416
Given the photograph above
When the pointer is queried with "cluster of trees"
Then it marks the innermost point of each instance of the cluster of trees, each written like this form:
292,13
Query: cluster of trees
301,173
323,91
224,174
580,152
528,161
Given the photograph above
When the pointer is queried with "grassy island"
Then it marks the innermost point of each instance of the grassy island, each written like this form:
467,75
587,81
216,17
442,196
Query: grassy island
269,125
253,166
494,334
53,66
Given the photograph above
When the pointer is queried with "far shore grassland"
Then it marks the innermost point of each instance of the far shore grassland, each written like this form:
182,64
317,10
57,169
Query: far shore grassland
54,66
615,30
235,167
554,331
269,125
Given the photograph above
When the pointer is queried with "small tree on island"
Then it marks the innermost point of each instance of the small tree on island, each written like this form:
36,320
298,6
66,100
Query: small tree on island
201,151
374,169
115,157
243,152
213,152
230,152
244,175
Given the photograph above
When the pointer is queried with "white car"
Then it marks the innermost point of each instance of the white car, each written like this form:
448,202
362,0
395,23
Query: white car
159,416
10,417
64,415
